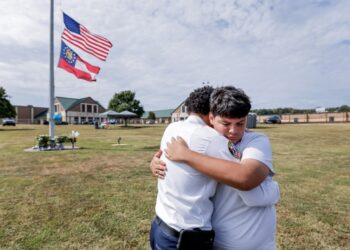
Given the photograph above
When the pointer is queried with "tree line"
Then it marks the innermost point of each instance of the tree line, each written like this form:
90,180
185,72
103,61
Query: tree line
125,100
288,111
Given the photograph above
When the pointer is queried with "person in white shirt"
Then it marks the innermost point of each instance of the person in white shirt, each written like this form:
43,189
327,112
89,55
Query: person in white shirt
184,200
241,219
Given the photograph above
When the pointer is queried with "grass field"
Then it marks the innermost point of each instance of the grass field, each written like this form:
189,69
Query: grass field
102,196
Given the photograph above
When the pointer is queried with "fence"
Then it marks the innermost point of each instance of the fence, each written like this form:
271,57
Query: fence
312,118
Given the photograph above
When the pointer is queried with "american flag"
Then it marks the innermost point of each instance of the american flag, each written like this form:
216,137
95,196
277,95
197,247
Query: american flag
79,36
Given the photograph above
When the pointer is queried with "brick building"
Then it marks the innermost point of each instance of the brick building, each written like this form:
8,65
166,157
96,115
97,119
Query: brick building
30,114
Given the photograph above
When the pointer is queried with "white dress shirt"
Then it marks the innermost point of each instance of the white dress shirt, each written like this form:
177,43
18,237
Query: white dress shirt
241,219
246,219
184,197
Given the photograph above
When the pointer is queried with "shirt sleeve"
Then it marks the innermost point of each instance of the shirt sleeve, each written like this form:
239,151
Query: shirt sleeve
259,148
266,194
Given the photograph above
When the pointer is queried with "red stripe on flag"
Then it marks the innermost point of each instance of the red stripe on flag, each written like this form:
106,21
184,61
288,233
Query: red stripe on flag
77,72
95,46
99,38
85,44
72,37
93,41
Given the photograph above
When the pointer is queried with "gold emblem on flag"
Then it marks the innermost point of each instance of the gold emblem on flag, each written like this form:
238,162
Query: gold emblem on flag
69,54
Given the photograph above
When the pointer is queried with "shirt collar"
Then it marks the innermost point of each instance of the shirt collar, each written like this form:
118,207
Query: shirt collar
195,119
244,135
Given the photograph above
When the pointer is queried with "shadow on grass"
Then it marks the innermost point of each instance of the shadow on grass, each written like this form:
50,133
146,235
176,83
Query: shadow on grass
123,148
16,129
129,127
111,148
265,127
151,148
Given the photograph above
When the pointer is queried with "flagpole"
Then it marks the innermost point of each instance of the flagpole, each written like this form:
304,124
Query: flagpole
52,80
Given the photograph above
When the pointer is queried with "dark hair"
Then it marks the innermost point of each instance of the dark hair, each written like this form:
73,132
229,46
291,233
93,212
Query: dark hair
199,100
229,102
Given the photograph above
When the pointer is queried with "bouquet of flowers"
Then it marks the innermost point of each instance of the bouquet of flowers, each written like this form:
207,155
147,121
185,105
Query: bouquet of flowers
43,141
73,137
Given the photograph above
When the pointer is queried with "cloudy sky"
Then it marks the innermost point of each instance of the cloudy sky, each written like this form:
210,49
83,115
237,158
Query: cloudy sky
283,53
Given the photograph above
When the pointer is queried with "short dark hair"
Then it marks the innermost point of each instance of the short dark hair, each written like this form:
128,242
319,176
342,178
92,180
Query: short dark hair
199,100
229,102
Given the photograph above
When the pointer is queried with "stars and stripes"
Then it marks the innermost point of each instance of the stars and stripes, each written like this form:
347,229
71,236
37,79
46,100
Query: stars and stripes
79,36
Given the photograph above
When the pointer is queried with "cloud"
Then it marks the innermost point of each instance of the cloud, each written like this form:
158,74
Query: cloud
282,53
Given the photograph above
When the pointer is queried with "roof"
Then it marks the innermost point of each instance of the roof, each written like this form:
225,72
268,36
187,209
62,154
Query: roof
159,113
127,113
68,103
183,102
109,113
114,114
43,113
124,114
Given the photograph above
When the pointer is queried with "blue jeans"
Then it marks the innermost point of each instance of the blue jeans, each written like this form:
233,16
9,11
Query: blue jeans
160,240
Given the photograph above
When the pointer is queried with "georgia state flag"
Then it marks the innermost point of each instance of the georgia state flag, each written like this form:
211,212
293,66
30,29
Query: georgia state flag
73,63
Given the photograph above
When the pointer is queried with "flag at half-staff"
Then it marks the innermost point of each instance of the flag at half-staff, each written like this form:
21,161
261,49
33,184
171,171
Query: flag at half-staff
73,63
79,36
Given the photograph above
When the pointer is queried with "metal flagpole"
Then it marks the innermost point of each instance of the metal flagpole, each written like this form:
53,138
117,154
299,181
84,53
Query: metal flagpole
52,79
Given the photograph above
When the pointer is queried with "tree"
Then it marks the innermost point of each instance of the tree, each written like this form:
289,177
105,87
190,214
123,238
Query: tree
151,115
344,108
125,100
6,108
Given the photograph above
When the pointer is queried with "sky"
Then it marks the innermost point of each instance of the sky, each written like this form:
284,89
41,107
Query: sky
282,53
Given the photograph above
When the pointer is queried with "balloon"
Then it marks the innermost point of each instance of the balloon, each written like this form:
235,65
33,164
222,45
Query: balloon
57,117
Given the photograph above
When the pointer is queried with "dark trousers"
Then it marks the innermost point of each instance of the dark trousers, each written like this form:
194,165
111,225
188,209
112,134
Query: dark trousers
160,239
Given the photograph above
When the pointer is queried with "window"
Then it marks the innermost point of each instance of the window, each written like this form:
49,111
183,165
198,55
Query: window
89,108
183,109
56,107
95,108
83,108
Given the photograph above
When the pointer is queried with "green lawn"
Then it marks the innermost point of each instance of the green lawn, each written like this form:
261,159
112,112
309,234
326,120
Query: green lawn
103,196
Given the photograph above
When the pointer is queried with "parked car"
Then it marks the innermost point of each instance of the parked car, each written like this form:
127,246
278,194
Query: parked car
150,122
8,122
90,122
61,123
273,119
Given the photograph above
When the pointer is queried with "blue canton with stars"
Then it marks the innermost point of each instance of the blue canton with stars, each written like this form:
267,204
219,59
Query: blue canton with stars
68,55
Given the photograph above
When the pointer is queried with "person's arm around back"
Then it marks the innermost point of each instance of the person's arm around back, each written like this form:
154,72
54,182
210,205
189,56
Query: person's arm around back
246,175
157,166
